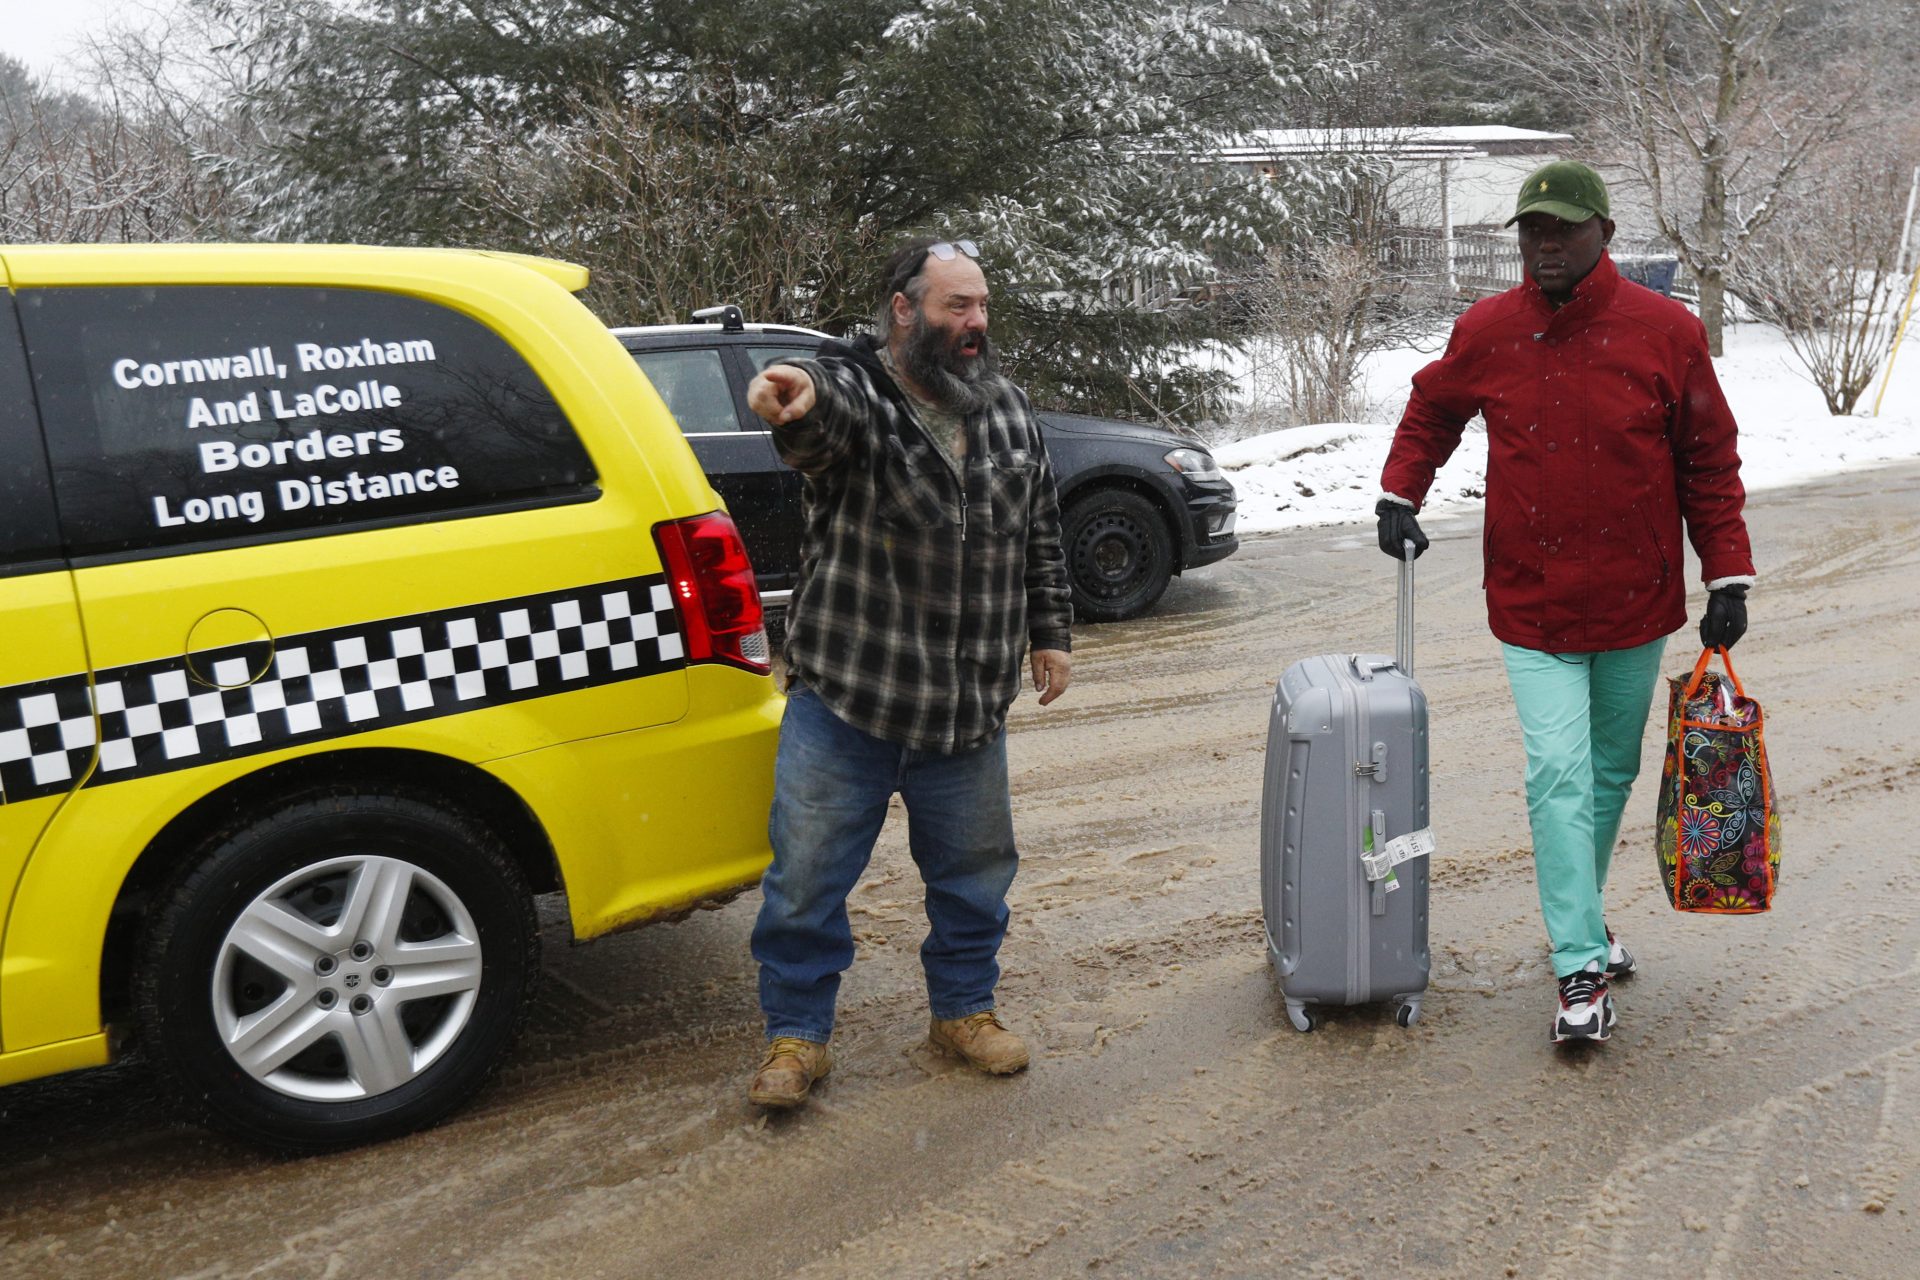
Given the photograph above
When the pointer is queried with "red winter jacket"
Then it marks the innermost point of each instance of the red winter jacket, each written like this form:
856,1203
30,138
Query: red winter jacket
1605,427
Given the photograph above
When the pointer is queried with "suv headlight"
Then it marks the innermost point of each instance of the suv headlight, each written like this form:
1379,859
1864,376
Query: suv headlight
1194,464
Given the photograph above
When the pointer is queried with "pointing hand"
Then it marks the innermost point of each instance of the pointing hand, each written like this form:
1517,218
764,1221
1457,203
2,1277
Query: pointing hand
780,393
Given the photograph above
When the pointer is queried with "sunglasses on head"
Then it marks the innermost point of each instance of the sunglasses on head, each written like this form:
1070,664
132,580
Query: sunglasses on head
945,250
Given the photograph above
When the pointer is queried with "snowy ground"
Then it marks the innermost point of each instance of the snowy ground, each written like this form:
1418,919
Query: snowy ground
1756,1115
1330,473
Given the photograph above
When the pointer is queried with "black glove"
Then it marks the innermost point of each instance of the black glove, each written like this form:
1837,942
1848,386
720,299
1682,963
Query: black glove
1725,620
1397,527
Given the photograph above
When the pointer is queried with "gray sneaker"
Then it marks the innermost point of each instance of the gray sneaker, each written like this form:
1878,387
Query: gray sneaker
1586,1008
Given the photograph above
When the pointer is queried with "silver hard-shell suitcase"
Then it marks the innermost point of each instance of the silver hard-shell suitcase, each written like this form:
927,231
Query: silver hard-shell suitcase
1344,838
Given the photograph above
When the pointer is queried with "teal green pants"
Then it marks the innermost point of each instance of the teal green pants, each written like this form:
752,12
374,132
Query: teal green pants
1583,716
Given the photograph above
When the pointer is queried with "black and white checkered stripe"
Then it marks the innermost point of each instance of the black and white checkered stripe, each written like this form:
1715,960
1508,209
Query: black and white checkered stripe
155,716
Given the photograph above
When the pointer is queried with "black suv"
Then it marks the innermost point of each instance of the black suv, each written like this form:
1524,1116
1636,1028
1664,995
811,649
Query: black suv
1139,504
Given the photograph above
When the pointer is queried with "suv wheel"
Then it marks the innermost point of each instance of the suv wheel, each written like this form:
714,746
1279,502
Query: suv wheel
1119,555
349,967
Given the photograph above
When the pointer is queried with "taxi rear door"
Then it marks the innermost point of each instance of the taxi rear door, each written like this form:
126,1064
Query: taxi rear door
46,718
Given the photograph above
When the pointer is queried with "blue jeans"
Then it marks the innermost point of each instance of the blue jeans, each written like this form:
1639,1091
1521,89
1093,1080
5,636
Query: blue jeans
1583,716
831,787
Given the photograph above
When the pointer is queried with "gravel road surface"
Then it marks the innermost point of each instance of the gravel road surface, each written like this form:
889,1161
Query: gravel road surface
1756,1114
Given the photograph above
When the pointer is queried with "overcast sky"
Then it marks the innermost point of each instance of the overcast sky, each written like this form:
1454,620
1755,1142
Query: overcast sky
44,33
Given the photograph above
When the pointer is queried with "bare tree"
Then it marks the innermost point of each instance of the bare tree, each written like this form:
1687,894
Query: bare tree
98,175
142,151
187,71
1326,303
1706,105
1829,274
1311,328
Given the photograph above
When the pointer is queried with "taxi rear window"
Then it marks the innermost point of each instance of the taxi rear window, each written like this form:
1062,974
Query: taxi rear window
187,414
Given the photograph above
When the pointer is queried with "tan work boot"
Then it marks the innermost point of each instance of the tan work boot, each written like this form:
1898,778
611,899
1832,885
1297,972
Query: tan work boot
788,1071
980,1041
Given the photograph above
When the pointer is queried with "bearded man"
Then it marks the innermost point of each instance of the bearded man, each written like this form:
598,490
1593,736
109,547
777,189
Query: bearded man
931,564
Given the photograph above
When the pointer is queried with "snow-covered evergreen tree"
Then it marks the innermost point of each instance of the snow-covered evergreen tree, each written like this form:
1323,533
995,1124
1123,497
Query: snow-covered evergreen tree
1073,139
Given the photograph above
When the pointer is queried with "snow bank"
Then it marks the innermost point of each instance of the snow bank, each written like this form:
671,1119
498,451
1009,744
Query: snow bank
1329,473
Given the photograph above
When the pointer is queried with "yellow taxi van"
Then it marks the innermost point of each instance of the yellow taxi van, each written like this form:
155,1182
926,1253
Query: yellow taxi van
349,598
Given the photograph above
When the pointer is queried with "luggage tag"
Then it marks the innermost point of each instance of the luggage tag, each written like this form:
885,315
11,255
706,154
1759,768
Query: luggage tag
1380,860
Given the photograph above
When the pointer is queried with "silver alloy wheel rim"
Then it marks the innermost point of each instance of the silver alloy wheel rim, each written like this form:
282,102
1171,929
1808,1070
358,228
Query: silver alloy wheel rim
380,1045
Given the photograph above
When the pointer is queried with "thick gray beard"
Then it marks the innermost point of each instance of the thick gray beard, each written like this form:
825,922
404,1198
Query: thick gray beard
962,385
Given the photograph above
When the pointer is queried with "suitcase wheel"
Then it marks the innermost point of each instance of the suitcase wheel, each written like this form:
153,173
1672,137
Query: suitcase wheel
1407,1014
1299,1017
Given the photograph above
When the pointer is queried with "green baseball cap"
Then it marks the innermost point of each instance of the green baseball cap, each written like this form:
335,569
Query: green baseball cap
1566,189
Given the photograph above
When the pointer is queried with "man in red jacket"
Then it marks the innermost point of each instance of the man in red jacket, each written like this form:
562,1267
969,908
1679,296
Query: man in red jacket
1606,430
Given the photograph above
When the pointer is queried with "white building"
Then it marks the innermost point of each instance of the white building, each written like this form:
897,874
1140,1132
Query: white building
1442,192
1465,176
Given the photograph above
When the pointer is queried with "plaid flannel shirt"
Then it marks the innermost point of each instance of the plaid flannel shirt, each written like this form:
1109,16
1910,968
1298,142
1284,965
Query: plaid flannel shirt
922,581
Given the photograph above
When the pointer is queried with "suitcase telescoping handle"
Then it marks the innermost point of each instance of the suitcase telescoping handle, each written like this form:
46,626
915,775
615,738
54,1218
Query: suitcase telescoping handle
1403,630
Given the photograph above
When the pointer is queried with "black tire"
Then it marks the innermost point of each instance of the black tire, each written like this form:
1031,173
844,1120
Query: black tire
290,877
1119,554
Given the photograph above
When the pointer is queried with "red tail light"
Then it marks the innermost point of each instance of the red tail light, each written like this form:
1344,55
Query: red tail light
714,589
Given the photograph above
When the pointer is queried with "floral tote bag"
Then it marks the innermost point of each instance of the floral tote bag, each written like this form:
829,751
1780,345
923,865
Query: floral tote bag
1719,827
